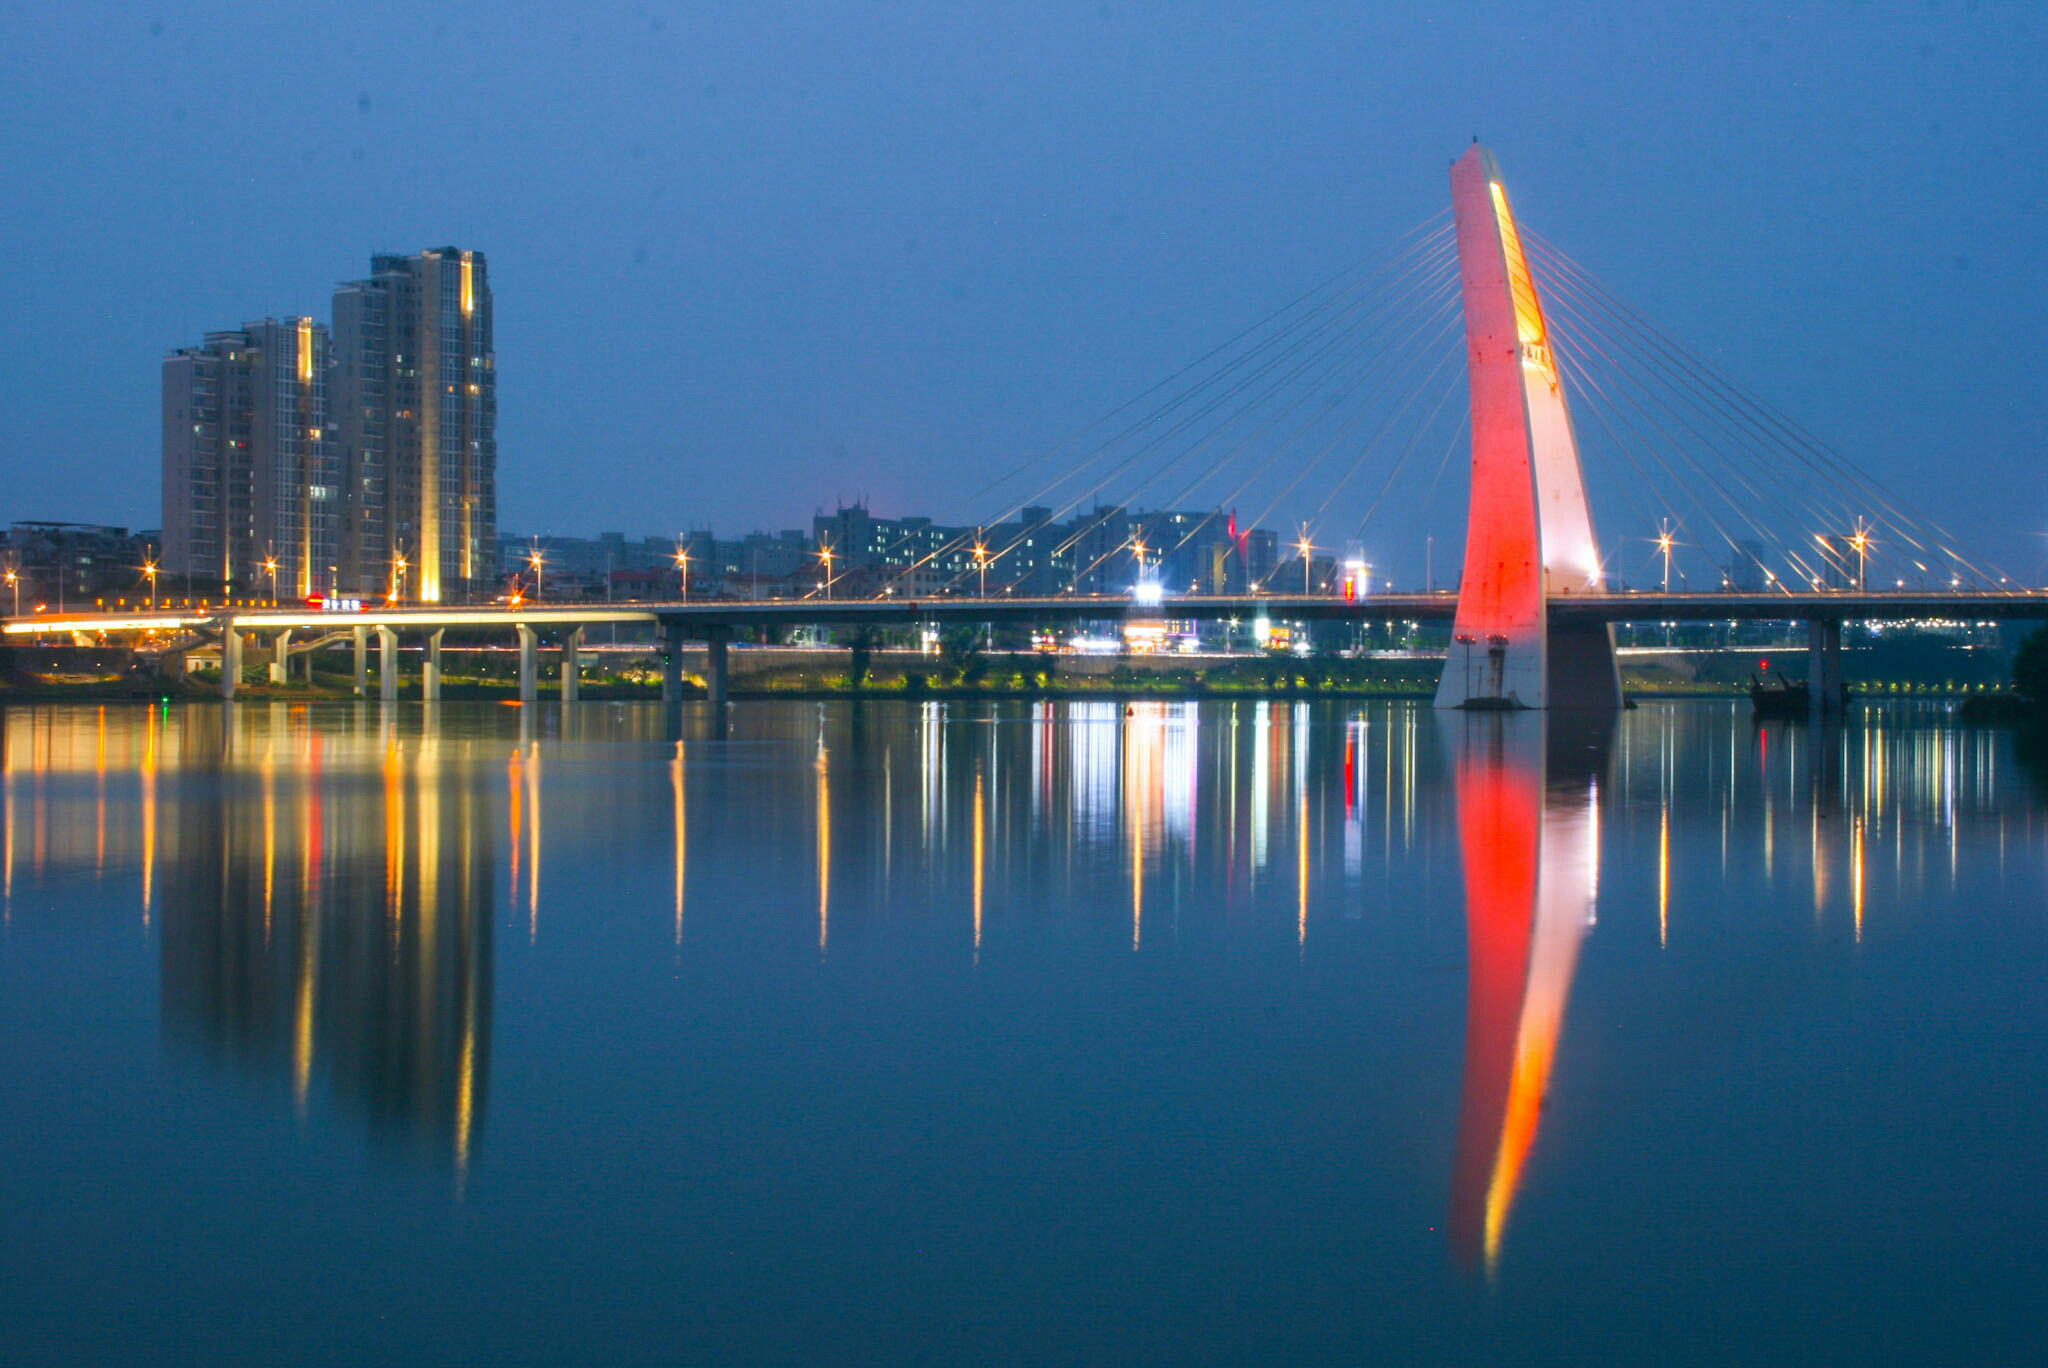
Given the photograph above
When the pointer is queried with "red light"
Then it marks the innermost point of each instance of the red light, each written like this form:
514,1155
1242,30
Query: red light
1763,665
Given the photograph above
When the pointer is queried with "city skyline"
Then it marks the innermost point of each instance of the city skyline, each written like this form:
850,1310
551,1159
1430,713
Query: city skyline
884,255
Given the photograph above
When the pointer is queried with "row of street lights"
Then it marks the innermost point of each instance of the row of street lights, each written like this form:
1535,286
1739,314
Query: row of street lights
1666,541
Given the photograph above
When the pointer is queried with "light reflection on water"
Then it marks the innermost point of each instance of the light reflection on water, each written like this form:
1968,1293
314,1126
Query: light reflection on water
330,892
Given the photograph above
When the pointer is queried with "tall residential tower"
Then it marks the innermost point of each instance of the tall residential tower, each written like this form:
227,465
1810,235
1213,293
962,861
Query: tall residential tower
416,405
248,463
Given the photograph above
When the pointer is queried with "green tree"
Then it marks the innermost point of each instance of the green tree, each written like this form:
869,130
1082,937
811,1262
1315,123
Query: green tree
961,654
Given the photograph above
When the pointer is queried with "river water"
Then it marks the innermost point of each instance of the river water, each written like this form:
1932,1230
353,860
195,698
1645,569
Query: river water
1049,1033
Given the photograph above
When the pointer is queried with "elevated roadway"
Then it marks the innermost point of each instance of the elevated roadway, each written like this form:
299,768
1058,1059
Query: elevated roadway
715,621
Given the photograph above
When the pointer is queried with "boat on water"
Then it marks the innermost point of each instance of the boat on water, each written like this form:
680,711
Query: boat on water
1782,697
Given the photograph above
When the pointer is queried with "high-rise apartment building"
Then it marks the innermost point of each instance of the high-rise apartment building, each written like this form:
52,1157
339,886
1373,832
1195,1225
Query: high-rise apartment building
249,481
415,405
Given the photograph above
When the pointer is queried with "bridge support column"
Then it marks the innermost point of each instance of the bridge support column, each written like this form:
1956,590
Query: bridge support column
281,658
572,668
1583,670
671,662
529,666
716,639
387,664
1825,691
230,660
430,672
362,636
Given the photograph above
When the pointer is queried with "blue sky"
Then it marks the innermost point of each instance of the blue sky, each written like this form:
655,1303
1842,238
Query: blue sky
751,258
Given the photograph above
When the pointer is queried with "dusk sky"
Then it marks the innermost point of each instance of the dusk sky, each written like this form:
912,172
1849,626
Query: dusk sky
752,258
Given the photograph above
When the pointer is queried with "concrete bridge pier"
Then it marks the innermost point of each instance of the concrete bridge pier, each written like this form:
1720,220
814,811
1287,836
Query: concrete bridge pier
572,669
387,664
671,662
230,661
1825,691
529,665
716,640
280,657
430,672
362,637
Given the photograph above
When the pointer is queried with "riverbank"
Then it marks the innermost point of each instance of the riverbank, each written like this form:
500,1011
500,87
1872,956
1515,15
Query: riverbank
617,675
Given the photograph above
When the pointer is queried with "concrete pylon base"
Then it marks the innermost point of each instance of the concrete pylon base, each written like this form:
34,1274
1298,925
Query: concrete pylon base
1583,671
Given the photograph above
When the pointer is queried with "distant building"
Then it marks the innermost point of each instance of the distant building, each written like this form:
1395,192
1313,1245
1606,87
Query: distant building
248,461
416,407
72,564
765,556
1745,569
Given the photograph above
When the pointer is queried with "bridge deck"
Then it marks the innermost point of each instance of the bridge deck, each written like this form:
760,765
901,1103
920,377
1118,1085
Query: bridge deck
699,615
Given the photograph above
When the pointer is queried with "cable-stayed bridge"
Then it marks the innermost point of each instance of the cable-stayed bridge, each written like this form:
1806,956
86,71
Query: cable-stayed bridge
1345,403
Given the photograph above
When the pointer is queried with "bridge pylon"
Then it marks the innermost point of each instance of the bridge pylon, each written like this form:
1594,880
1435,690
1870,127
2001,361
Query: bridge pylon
1529,537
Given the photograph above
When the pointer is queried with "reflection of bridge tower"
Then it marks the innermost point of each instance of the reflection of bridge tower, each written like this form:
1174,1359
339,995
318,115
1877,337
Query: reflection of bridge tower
1529,826
1530,535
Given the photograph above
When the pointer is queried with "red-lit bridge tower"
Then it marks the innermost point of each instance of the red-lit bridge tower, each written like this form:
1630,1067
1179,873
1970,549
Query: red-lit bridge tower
1530,536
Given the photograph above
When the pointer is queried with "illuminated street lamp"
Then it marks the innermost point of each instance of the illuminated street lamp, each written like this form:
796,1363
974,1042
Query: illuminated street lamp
1304,546
1861,541
14,583
534,559
683,570
149,571
397,578
270,569
825,560
1664,544
981,564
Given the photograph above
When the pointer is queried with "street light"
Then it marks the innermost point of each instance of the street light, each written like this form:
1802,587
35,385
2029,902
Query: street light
14,583
1304,546
683,570
1664,545
397,578
270,569
534,559
148,570
1861,541
825,560
981,565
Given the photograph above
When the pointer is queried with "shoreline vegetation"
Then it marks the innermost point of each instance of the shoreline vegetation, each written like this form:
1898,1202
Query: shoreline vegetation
82,675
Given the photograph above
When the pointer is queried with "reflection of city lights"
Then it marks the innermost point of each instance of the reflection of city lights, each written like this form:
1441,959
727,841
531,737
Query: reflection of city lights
1163,812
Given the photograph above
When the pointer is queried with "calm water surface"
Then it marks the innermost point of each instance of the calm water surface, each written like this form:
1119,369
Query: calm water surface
1240,1032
